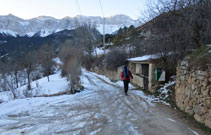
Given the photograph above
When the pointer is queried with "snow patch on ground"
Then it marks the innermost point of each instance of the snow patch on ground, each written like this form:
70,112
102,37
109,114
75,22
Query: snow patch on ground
14,107
149,99
171,120
193,131
6,96
40,87
57,84
58,30
45,33
9,32
164,93
7,122
100,51
30,34
57,61
95,132
4,55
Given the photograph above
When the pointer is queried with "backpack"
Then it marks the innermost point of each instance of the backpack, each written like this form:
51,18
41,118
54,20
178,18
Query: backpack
126,73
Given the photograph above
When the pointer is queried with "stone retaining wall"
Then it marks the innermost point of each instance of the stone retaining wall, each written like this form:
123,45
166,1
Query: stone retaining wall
113,75
193,92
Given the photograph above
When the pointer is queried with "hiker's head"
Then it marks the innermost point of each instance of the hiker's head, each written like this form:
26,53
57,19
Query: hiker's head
125,66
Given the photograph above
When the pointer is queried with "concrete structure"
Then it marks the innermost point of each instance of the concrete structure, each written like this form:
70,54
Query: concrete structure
143,70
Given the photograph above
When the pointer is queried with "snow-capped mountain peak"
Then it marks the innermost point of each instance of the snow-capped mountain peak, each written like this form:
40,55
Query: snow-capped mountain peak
46,25
44,18
11,16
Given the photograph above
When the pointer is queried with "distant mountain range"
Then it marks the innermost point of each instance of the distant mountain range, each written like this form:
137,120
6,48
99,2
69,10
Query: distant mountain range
21,44
45,25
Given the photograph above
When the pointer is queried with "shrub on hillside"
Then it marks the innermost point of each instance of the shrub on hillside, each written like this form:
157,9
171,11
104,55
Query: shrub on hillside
201,58
87,62
115,58
99,61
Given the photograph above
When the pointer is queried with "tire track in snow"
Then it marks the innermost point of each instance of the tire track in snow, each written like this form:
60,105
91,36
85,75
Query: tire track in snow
134,97
148,118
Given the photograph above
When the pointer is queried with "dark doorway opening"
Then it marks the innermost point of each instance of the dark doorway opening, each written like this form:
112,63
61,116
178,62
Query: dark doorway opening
145,72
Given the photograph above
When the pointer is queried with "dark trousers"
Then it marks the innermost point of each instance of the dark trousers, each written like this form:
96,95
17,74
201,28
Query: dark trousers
126,82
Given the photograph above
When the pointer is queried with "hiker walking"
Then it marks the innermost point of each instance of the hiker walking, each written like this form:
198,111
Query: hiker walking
126,75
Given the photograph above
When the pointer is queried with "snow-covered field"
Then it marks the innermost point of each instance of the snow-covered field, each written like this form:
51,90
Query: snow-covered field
101,109
40,87
100,51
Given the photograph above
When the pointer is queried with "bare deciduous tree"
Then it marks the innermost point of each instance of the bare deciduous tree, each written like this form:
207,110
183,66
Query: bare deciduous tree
3,72
71,58
15,67
29,64
190,17
45,58
74,72
115,58
178,27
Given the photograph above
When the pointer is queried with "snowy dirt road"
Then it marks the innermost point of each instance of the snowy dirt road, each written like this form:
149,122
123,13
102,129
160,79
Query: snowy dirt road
102,109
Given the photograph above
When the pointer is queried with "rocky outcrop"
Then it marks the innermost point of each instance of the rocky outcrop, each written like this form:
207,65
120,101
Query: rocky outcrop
193,92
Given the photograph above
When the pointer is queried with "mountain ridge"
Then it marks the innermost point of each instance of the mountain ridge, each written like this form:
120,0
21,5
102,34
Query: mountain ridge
10,44
46,25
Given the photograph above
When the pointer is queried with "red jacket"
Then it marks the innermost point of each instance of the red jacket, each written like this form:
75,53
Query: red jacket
122,75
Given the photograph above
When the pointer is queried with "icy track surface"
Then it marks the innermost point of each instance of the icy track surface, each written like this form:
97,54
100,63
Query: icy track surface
101,109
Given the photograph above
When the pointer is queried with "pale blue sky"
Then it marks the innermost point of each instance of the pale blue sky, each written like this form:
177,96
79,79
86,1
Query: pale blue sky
60,8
